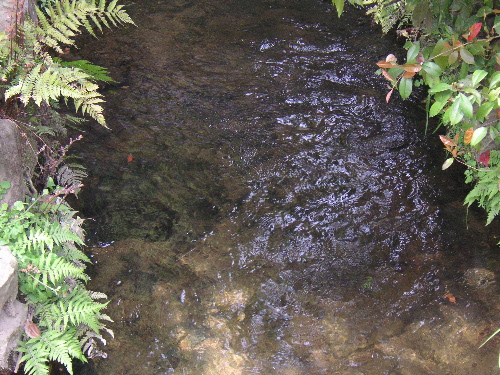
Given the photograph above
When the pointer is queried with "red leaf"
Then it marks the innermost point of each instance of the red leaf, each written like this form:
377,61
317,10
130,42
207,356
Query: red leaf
447,141
413,68
409,74
387,76
484,158
129,158
386,64
388,96
474,30
450,297
31,329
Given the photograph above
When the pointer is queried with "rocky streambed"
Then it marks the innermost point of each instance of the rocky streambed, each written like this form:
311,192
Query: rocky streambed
258,208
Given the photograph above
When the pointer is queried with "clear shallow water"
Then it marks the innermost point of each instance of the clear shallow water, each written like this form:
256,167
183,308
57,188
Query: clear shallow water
277,216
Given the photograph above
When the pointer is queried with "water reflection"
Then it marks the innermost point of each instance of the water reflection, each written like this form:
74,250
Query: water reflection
275,182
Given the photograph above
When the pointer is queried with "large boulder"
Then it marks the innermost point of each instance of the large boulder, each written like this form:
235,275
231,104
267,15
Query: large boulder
12,11
11,161
12,313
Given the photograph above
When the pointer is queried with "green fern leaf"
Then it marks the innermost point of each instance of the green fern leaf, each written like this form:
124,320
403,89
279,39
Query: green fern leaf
38,240
102,5
56,82
57,342
36,356
55,269
77,308
96,72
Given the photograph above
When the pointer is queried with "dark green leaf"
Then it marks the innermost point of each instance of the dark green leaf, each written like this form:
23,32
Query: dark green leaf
436,108
464,71
422,15
474,93
466,106
442,96
495,78
405,87
412,52
440,87
493,133
432,68
446,116
453,57
496,24
395,72
484,110
456,114
441,60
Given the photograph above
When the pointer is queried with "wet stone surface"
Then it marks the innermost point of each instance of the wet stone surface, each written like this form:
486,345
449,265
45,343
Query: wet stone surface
259,209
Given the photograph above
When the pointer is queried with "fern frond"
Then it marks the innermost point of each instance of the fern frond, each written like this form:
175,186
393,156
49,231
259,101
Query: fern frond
25,85
108,330
45,83
45,130
66,17
73,254
388,13
98,73
36,356
55,269
51,345
71,175
58,342
51,233
88,342
97,295
102,5
38,240
77,308
73,224
74,347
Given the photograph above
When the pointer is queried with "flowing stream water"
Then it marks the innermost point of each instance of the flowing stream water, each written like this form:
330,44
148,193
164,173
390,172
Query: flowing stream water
257,207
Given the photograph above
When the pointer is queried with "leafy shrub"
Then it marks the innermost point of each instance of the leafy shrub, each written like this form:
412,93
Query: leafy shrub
454,50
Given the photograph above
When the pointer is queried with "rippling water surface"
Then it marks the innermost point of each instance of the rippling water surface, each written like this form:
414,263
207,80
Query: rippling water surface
260,209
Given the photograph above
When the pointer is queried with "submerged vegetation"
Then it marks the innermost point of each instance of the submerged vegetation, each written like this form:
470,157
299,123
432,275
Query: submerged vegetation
453,49
65,320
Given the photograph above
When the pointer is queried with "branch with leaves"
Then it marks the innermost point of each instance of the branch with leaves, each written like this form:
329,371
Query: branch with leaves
454,51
